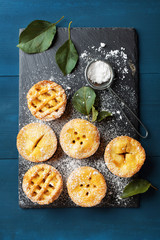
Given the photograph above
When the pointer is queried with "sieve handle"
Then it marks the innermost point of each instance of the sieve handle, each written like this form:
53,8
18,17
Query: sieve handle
133,114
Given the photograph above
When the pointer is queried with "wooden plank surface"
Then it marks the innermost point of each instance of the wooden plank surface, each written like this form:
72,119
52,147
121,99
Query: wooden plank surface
143,15
95,224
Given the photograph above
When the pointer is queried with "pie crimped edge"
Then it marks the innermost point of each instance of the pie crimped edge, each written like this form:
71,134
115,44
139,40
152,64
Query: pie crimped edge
86,186
124,156
46,100
36,142
42,184
79,138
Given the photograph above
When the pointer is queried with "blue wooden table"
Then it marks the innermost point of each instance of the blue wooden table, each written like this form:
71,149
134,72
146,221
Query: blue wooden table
79,223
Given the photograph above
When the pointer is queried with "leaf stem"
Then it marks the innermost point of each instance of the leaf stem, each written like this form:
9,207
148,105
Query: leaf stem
59,20
69,32
154,187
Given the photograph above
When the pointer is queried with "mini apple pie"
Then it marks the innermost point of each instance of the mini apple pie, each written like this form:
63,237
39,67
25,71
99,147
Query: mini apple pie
42,184
36,142
124,156
46,100
86,186
79,138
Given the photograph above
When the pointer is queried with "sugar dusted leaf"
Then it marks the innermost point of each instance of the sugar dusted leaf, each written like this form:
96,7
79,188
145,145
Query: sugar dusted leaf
83,100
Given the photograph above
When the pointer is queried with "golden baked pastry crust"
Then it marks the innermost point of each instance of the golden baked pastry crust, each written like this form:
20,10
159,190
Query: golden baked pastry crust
46,100
79,138
36,142
124,156
42,184
86,186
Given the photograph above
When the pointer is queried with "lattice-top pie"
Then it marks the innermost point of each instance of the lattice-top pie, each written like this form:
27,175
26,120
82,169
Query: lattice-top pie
124,156
86,186
46,100
42,184
79,138
36,142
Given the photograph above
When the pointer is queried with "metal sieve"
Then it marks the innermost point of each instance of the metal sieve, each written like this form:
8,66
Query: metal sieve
107,85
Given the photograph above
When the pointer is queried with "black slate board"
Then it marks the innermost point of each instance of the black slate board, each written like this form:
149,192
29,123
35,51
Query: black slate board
121,51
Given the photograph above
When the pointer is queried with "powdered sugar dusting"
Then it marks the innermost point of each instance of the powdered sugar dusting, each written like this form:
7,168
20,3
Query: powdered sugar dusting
117,56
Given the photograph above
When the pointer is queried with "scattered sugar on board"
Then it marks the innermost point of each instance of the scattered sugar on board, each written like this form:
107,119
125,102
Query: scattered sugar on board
117,57
108,129
102,45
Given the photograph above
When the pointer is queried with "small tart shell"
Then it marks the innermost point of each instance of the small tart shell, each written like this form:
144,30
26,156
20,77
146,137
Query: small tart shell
36,142
86,186
46,100
79,138
42,184
124,156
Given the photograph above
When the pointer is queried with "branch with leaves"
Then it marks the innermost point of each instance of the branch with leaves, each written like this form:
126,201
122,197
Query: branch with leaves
38,37
84,100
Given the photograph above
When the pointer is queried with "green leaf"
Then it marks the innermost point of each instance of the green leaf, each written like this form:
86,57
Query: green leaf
94,114
102,115
83,100
135,187
37,37
67,56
